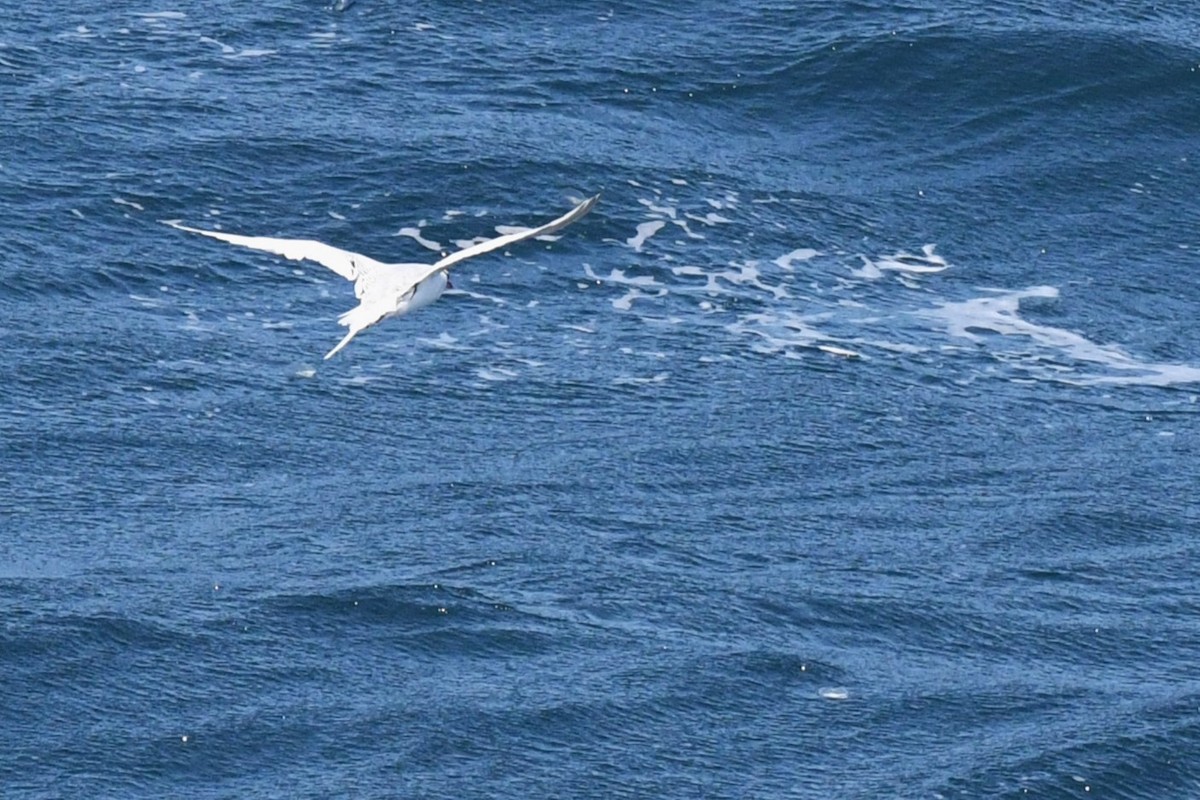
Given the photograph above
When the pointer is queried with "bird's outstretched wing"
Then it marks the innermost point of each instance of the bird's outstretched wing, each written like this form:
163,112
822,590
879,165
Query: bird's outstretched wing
349,265
513,238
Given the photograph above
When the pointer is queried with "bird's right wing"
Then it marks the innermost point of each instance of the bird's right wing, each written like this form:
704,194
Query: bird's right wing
519,236
349,265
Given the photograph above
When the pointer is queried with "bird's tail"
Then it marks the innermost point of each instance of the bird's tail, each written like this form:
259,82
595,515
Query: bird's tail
345,341
357,320
358,317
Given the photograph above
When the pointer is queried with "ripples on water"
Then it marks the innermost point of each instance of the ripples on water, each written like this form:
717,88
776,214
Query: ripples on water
844,450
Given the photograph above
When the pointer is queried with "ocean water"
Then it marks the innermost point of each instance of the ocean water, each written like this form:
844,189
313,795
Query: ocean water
847,449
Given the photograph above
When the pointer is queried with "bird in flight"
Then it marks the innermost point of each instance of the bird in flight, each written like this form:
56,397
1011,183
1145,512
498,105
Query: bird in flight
386,290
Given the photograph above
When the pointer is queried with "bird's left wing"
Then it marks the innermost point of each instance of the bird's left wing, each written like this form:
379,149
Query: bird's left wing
513,238
345,263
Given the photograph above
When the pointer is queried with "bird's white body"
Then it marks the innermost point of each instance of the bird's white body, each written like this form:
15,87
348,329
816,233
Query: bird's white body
386,290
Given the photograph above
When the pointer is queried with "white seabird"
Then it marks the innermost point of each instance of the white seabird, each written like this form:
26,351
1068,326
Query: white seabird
385,290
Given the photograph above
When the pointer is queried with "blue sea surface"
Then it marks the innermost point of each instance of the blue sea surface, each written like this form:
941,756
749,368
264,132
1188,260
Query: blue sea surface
847,449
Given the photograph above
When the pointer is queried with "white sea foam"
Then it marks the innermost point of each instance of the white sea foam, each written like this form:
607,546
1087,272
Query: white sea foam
415,235
926,263
691,234
644,231
729,201
226,49
788,260
618,276
463,244
743,274
998,314
788,332
711,218
625,302
806,302
670,212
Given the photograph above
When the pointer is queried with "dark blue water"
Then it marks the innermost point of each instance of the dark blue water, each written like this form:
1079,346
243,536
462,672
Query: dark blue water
847,449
